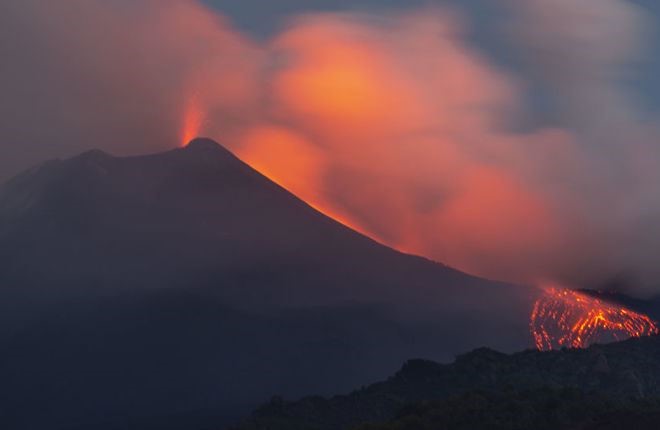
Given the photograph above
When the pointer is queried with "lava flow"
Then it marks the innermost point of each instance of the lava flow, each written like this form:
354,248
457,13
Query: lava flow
567,318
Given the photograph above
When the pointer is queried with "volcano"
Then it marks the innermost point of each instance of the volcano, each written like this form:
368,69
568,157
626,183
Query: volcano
185,282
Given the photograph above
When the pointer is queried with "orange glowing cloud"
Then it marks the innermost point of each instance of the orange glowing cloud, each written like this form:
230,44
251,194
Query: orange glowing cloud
329,81
292,162
399,110
392,123
285,157
490,206
393,127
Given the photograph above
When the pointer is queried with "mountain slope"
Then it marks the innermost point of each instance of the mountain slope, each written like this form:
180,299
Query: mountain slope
187,281
168,217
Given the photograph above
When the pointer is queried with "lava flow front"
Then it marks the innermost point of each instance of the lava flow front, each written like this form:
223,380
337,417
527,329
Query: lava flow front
567,318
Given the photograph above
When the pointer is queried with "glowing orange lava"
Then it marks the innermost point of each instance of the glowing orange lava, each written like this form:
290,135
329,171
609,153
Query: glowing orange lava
193,118
567,318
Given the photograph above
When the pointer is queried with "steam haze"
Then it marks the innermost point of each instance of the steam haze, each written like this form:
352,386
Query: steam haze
393,122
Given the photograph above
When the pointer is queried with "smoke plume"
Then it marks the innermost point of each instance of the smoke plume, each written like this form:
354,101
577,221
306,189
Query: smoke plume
392,123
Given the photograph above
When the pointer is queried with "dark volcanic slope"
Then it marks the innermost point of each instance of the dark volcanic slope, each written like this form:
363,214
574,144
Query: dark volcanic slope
485,389
187,281
195,215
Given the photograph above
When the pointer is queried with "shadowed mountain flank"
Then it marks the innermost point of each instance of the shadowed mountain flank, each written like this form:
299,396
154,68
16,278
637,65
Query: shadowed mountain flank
187,281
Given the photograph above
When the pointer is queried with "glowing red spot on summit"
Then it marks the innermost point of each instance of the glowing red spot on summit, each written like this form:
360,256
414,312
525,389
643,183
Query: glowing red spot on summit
193,119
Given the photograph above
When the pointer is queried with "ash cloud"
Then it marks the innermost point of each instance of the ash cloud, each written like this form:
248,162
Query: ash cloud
390,121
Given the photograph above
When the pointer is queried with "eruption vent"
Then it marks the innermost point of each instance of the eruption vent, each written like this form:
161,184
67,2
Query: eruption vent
567,318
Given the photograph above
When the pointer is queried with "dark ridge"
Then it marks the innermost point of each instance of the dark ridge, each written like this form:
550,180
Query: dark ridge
486,389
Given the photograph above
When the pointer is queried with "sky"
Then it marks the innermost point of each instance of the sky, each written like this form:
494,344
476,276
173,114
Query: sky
513,139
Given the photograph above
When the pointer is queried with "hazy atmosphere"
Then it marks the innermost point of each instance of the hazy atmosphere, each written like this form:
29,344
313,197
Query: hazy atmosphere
405,123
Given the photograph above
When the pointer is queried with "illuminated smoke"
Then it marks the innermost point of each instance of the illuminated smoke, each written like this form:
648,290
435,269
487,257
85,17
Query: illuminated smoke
193,118
567,318
392,123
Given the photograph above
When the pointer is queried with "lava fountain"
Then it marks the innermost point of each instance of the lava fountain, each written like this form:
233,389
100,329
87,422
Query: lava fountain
567,318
